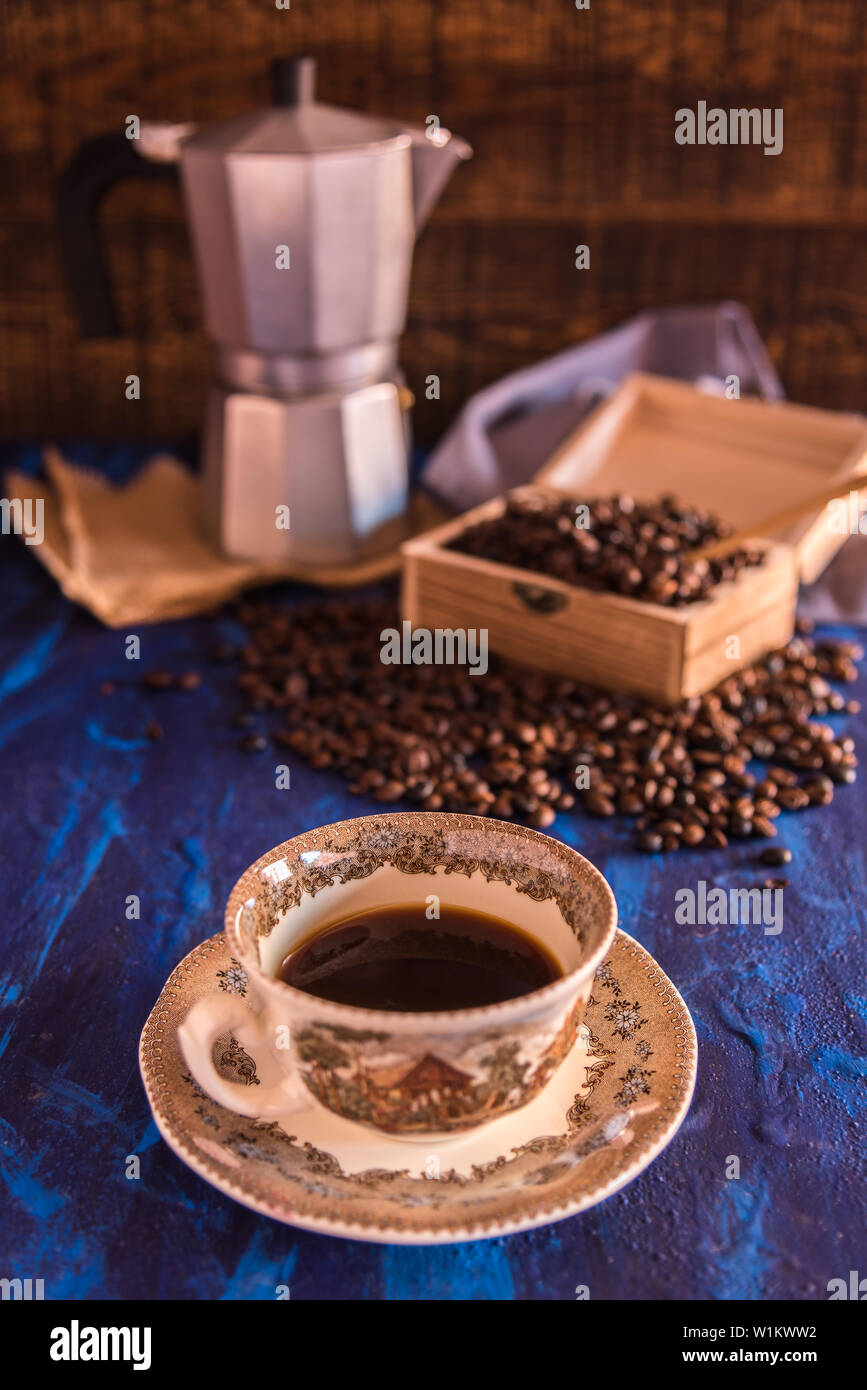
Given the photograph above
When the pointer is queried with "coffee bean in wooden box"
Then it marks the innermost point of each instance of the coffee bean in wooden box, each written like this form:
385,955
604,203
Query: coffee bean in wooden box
665,654
739,459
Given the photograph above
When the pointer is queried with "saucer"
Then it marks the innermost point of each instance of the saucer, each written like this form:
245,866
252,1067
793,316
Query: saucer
610,1108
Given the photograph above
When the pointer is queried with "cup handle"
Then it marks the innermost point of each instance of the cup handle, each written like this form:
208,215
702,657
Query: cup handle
220,1013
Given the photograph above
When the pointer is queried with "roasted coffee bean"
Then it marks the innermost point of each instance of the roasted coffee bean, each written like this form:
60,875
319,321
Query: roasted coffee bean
776,883
734,766
820,791
155,731
843,775
793,798
296,685
782,777
766,748
669,827
189,680
766,789
637,549
692,834
158,680
650,842
515,743
775,855
391,791
254,743
764,827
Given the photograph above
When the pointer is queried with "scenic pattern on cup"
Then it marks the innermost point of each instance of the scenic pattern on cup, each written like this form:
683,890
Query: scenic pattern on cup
373,1078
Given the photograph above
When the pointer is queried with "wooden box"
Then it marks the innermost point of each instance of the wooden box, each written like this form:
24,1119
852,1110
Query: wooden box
741,459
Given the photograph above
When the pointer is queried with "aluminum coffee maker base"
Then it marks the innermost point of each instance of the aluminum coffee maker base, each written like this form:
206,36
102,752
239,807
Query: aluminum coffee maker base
310,480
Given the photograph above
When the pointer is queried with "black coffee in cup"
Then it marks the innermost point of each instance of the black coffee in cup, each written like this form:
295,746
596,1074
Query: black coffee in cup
395,958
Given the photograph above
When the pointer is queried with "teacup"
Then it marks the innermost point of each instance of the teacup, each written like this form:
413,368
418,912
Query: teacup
409,1075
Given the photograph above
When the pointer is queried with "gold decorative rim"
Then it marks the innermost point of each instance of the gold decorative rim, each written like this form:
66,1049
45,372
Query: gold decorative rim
670,1025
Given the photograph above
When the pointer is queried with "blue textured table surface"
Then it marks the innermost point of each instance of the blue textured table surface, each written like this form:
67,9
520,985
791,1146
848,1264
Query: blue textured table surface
92,811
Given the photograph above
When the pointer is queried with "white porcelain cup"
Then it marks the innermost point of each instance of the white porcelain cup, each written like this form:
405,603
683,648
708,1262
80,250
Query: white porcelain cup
410,1075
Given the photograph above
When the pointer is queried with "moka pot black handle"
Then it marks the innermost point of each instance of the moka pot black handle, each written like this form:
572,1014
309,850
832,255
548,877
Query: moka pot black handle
98,165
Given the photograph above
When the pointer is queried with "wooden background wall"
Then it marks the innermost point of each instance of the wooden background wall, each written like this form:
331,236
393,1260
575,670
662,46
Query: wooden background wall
571,114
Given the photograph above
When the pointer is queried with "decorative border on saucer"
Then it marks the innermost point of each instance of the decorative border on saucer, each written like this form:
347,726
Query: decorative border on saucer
555,1176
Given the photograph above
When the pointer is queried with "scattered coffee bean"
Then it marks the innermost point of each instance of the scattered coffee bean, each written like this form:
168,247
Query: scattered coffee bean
521,744
820,791
670,827
764,827
158,680
650,842
107,688
189,680
782,777
793,798
296,685
776,883
693,834
154,730
390,791
776,855
254,743
843,775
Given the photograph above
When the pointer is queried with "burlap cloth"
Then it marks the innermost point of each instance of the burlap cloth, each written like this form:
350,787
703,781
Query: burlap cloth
134,553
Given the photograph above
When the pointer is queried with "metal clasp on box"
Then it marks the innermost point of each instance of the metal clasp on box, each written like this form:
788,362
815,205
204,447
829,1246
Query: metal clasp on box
540,599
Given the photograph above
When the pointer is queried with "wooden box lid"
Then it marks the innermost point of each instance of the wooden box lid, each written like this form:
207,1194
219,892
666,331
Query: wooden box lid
741,459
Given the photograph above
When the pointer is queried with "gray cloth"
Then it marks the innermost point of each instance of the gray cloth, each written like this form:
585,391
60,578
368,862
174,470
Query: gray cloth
508,430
